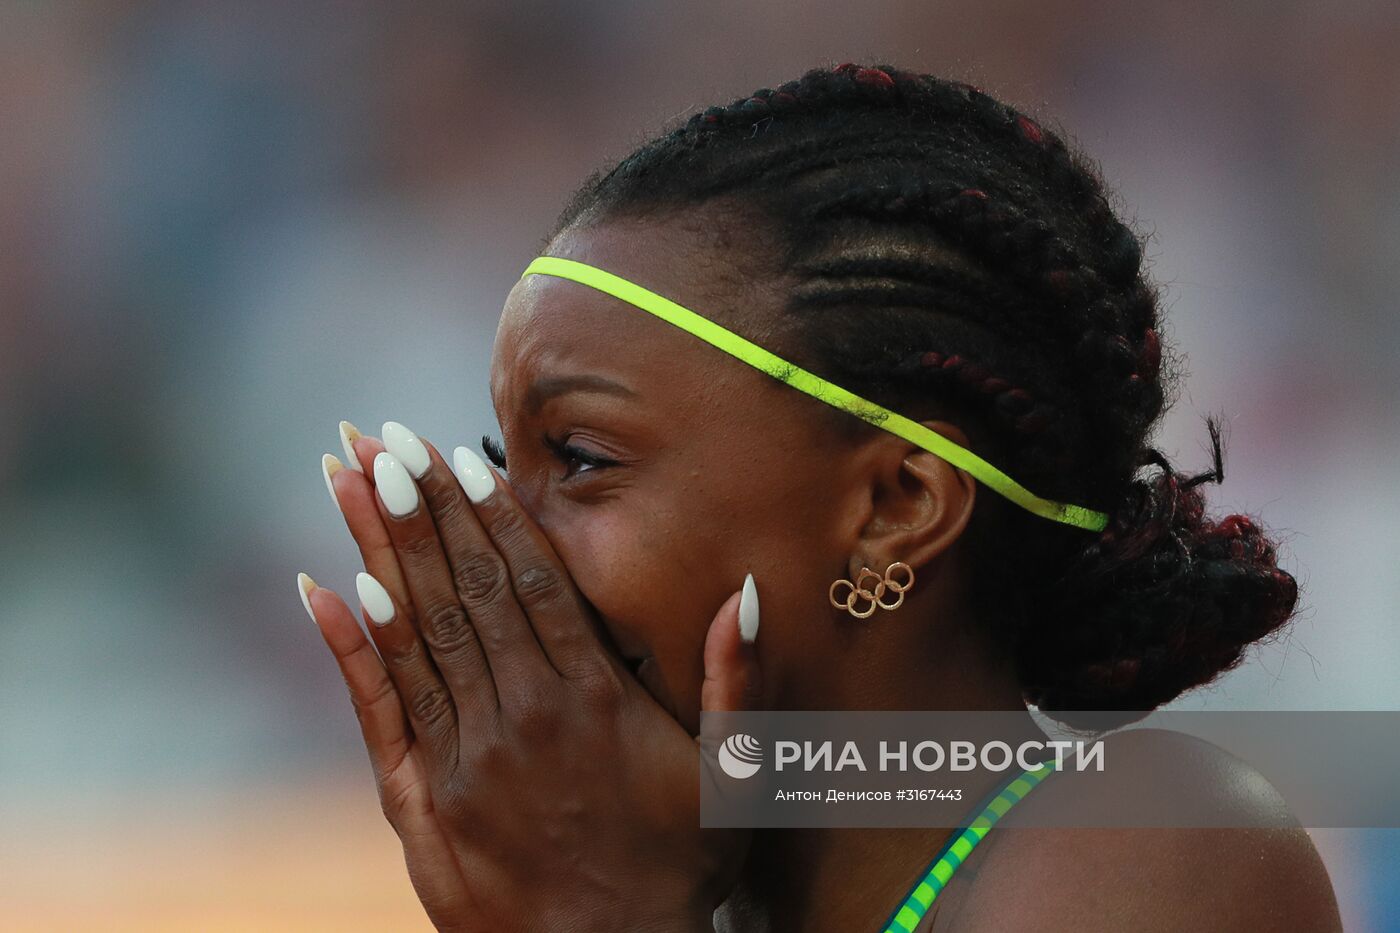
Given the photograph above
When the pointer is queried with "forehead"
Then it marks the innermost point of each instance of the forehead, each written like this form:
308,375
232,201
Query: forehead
551,324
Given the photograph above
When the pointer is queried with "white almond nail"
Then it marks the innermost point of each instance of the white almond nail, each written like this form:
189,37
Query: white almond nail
348,435
404,444
472,472
396,488
331,465
304,587
375,599
748,611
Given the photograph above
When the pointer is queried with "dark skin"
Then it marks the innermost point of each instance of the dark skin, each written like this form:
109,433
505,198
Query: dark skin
648,474
1267,877
503,731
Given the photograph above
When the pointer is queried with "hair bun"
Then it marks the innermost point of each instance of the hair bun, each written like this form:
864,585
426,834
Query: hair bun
1165,600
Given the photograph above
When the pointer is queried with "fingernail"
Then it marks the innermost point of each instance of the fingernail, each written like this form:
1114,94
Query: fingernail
375,599
396,488
404,444
748,611
348,435
304,587
478,481
331,465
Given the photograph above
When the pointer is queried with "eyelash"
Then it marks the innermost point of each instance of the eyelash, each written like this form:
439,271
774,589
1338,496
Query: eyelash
570,456
566,453
494,451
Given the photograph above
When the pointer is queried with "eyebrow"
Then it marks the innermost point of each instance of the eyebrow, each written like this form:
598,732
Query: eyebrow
543,390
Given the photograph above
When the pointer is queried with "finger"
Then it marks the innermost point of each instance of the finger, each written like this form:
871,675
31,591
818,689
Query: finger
409,662
497,624
404,793
455,641
732,685
353,494
420,692
431,707
557,616
383,722
733,680
477,577
350,438
436,615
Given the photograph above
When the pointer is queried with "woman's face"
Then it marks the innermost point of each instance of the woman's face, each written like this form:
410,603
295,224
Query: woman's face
663,470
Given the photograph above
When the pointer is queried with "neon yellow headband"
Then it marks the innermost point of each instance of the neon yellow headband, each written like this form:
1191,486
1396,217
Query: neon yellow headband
818,388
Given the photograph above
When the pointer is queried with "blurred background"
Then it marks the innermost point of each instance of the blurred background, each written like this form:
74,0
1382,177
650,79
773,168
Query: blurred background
225,226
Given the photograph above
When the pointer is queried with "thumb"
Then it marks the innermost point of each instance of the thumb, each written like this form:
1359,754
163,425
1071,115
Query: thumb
733,679
732,686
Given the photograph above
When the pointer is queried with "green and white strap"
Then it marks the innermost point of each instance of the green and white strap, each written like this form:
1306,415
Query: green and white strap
907,916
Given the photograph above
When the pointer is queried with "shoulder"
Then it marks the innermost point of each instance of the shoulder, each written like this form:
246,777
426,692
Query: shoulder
1036,877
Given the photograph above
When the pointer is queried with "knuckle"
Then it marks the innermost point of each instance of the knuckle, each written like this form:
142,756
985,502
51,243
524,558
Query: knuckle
446,628
538,585
365,701
480,578
448,643
536,717
448,505
752,693
490,757
509,529
430,707
418,548
402,655
602,689
453,800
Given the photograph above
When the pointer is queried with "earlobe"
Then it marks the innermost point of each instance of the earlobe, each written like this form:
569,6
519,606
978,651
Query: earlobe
898,578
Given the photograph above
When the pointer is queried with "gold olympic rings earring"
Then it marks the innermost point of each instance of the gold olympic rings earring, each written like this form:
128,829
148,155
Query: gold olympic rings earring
883,584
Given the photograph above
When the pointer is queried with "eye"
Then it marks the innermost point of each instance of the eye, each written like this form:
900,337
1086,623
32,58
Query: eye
494,451
576,459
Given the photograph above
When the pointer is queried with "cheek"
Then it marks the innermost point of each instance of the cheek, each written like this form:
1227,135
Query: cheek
656,579
647,571
657,565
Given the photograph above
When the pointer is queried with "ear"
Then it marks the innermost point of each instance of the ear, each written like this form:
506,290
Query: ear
920,504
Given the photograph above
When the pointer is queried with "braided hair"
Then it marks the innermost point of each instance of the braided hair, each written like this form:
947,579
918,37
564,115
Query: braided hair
953,255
